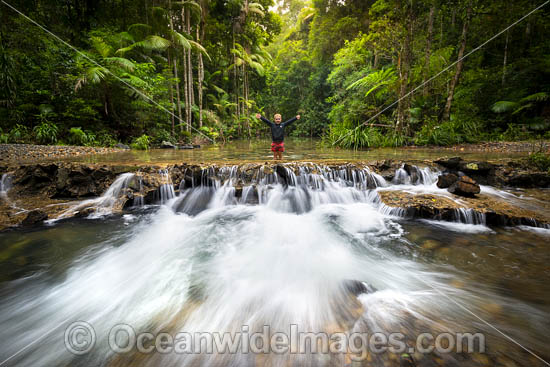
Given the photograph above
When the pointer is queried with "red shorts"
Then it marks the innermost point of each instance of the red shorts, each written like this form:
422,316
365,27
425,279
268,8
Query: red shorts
278,147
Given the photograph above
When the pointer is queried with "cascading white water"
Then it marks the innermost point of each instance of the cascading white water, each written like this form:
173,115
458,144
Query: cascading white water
166,189
102,205
139,201
208,261
5,186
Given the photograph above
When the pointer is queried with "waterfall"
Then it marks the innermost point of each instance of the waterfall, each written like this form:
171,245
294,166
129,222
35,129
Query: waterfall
292,189
103,205
166,189
5,186
413,175
469,216
139,201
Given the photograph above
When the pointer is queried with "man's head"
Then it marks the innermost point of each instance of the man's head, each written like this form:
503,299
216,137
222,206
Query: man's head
278,118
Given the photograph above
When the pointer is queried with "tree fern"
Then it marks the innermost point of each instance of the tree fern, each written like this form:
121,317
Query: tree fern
375,80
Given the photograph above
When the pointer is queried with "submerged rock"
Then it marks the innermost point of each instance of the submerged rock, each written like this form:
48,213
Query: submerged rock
167,145
450,163
122,146
464,186
34,217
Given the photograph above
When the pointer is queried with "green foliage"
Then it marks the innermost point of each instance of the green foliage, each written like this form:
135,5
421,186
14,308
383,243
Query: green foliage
46,132
79,137
141,143
540,160
18,134
337,63
447,133
105,139
364,137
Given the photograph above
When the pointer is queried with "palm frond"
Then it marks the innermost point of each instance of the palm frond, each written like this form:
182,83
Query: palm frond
153,43
256,8
375,80
121,62
102,47
537,97
197,46
191,5
258,67
504,106
180,39
140,29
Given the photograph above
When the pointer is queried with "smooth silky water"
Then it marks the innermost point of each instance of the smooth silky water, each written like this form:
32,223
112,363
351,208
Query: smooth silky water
205,260
296,149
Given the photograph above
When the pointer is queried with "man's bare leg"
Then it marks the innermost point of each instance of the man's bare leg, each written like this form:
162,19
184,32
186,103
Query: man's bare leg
274,155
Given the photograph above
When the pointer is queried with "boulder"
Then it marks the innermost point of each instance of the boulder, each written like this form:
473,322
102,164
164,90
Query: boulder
355,287
450,163
465,186
167,145
122,146
34,217
446,180
186,146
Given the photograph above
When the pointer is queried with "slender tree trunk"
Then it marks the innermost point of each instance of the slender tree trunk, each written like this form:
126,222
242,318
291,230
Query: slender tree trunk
185,90
404,70
178,96
200,78
235,81
425,89
190,92
453,18
505,62
200,39
146,12
459,66
175,70
171,97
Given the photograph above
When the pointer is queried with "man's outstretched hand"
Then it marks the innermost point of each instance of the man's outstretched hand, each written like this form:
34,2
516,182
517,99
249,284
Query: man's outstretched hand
298,117
258,115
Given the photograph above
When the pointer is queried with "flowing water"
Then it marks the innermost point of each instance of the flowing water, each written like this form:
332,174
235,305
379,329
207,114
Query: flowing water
295,149
316,251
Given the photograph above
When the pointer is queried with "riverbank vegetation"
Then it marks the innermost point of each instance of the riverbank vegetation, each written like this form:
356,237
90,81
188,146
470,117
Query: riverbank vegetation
360,72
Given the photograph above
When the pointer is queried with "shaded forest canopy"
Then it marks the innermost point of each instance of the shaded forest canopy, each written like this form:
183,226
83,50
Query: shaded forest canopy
214,63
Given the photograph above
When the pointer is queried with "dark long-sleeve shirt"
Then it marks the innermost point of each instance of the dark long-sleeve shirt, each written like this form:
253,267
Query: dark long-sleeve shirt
278,130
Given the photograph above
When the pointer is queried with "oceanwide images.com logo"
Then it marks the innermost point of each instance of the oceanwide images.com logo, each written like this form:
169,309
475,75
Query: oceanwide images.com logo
80,339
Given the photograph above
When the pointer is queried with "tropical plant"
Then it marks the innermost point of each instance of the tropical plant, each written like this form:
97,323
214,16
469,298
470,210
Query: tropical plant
18,134
46,132
141,143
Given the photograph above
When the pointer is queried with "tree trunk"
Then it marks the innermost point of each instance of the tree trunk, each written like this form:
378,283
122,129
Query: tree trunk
175,66
235,81
425,89
505,62
459,65
185,91
171,98
404,65
200,38
178,95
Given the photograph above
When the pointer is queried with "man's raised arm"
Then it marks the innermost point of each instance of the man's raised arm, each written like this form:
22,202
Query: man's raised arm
288,122
258,116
